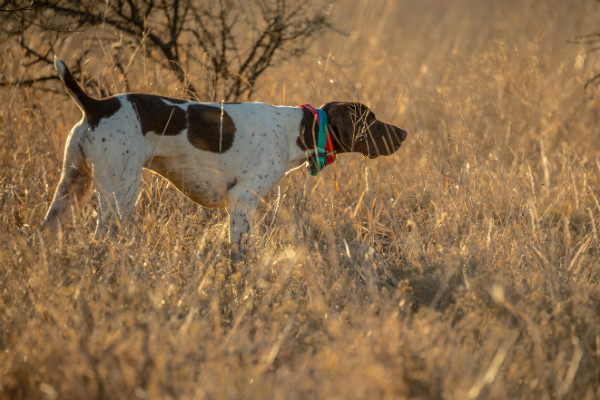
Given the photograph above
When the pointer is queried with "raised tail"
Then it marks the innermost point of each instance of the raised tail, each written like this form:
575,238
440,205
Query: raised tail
85,102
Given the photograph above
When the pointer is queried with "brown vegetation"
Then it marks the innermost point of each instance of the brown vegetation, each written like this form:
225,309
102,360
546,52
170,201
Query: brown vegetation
465,266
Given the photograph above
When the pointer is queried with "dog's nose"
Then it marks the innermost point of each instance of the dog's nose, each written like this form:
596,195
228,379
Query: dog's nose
403,134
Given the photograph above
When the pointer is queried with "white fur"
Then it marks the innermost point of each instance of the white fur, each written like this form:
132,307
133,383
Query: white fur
115,151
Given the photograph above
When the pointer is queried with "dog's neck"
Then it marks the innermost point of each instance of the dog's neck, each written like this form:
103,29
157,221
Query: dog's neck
315,138
307,139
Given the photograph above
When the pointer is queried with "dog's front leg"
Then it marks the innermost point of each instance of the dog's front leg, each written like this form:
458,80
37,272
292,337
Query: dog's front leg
242,203
245,196
117,185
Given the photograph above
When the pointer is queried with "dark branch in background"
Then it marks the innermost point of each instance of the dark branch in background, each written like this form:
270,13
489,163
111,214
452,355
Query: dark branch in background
29,82
591,42
241,39
10,6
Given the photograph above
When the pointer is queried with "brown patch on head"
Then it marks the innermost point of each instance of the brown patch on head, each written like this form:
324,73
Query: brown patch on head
210,128
156,115
355,128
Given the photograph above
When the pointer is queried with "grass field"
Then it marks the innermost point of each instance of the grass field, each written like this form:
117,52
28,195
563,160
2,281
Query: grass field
467,265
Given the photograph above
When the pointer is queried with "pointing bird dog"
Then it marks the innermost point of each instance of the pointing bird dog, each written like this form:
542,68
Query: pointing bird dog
218,155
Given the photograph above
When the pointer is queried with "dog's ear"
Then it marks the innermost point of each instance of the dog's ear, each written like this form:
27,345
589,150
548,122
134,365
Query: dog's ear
340,124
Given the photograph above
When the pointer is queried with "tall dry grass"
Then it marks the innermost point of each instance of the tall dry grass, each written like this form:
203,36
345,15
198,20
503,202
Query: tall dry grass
464,266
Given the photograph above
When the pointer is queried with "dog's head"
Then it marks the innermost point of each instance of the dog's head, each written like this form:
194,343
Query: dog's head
355,128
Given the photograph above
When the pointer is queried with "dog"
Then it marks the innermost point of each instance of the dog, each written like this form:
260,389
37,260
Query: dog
217,154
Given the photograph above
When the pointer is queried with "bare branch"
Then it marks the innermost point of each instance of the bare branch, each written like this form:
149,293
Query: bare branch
5,7
29,82
232,42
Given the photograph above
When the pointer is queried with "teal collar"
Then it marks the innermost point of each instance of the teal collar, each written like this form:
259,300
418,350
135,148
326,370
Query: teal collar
324,152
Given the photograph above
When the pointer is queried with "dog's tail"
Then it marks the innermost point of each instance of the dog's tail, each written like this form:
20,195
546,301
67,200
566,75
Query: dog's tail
85,102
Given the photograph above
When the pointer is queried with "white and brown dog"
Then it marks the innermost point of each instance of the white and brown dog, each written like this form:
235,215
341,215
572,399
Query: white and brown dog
218,155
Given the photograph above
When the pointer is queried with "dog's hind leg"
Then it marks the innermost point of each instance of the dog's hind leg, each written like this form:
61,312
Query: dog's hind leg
117,183
115,206
74,187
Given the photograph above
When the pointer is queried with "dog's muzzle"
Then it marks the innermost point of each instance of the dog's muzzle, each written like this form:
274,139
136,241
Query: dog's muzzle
386,139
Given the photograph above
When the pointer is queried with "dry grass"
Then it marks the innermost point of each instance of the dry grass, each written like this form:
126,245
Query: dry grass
465,266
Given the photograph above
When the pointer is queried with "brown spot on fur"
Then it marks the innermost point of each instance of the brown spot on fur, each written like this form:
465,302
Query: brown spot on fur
209,128
101,109
155,115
